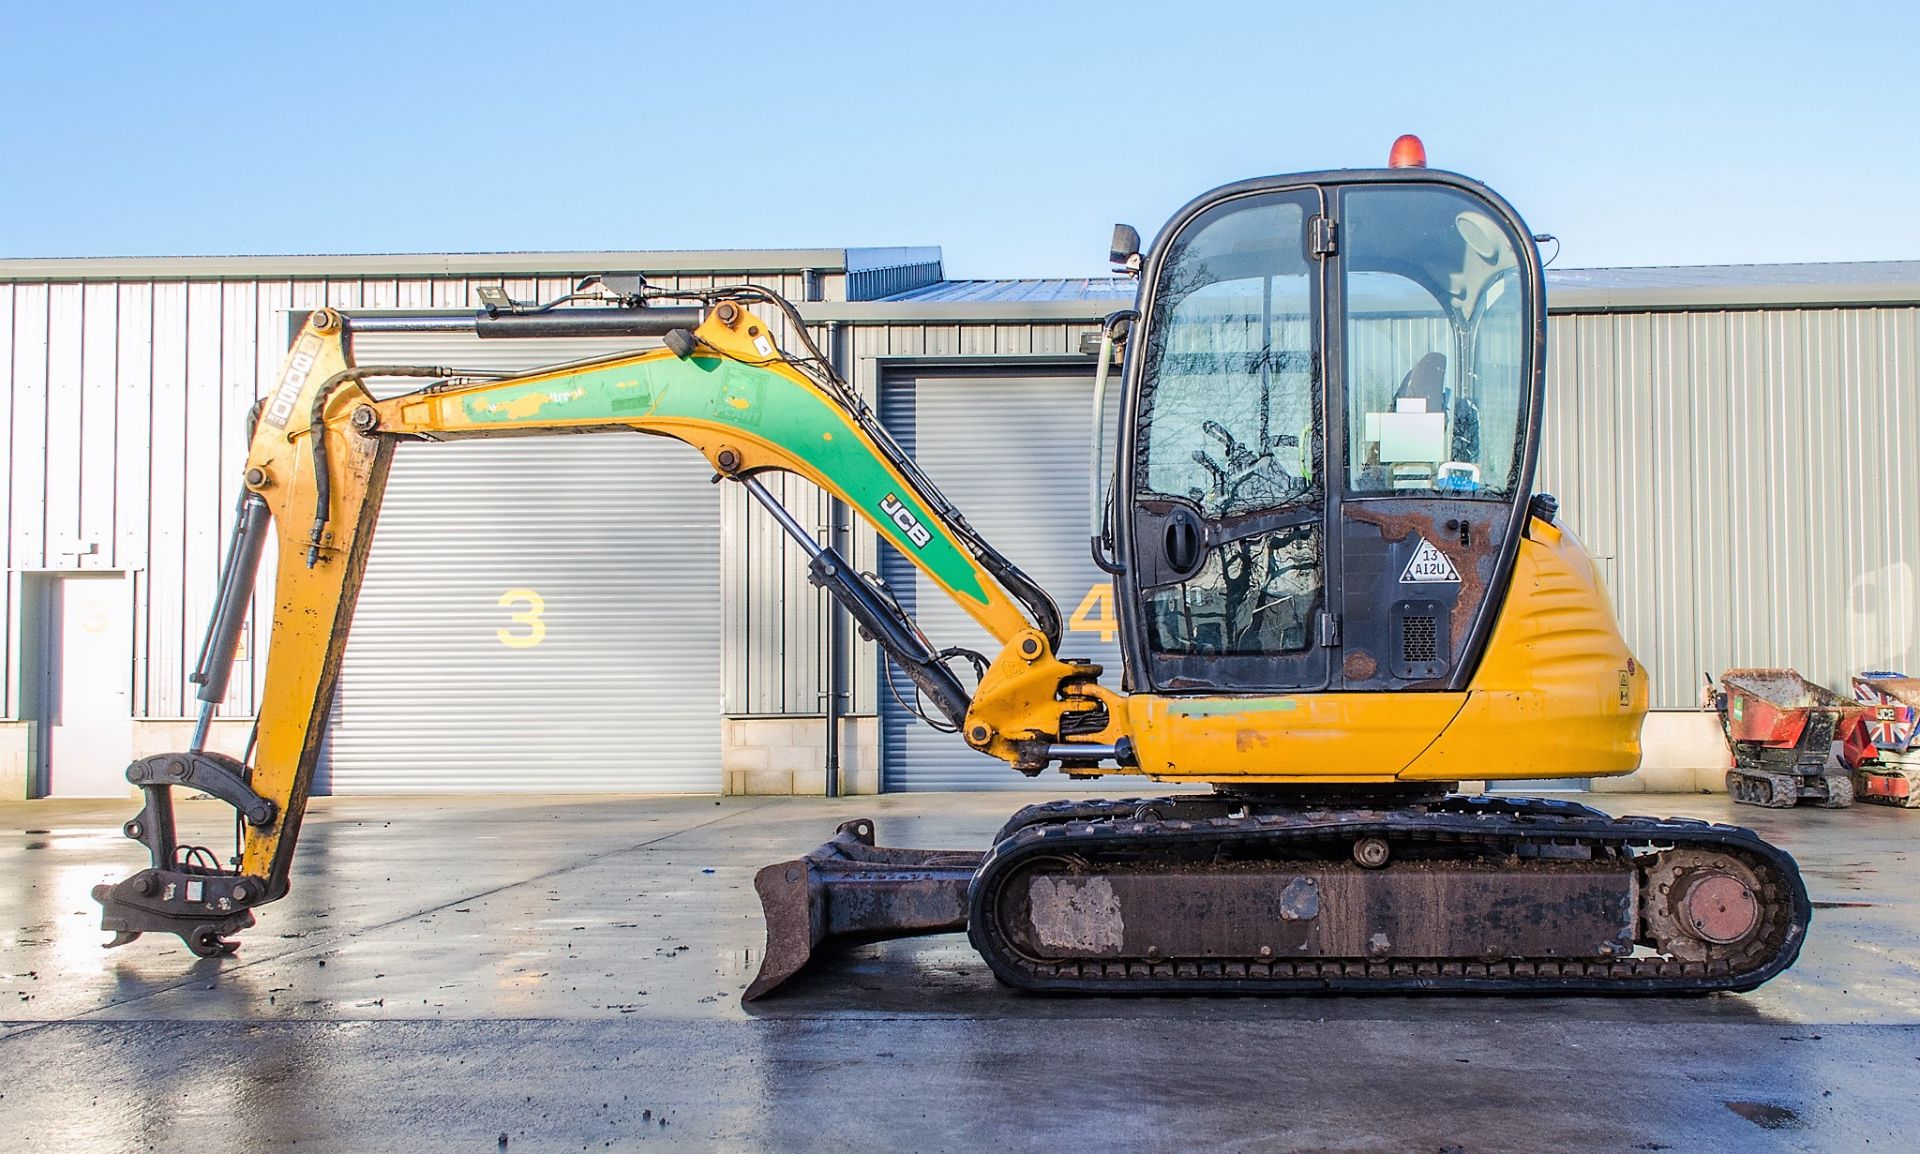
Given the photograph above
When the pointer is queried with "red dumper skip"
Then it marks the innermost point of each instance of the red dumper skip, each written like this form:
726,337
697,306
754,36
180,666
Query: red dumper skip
1781,728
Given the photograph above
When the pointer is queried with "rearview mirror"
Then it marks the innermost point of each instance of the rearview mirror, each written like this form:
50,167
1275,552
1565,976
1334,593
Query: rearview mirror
1125,251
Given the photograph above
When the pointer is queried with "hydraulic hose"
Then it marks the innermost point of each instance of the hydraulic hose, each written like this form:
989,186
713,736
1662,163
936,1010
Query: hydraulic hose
317,429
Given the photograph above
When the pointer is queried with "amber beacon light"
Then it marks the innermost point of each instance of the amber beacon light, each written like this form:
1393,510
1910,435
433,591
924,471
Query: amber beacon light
1407,152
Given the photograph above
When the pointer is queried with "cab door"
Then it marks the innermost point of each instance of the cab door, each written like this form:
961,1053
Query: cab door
1223,461
1333,416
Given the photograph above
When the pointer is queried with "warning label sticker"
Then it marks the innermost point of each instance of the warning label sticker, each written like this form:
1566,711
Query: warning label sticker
1429,566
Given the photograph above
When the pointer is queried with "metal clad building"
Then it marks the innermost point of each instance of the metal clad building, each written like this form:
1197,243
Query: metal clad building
1741,448
128,386
1737,445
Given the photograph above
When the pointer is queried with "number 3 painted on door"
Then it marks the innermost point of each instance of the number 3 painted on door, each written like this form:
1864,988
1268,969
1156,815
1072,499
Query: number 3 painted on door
529,617
1095,613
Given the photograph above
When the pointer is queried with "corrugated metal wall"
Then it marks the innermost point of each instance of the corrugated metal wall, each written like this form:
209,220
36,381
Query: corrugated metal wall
1748,477
1011,449
775,660
125,427
1750,481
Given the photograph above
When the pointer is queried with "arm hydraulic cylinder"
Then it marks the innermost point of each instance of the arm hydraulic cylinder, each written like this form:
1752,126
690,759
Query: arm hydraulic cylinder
214,668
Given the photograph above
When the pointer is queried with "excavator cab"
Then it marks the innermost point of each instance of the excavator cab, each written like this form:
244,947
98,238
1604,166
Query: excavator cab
1331,412
1331,415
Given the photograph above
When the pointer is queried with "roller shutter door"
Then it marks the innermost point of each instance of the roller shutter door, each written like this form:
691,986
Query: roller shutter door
539,614
1012,452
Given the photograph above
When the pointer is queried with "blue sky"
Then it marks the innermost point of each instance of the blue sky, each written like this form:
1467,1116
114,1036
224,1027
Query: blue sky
1013,135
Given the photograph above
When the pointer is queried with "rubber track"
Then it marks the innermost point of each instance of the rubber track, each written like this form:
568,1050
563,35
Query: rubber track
1085,828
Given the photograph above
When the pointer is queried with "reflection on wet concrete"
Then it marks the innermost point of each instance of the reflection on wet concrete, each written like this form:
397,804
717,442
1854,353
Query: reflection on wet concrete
566,972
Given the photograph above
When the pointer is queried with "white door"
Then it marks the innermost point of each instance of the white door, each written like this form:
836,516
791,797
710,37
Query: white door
89,703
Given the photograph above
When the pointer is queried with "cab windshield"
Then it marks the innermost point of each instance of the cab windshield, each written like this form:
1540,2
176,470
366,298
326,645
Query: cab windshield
1229,428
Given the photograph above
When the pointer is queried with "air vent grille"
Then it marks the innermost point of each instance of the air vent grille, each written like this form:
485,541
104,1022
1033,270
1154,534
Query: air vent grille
1419,639
1422,648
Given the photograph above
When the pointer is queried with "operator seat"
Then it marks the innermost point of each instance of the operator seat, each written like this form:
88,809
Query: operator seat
1427,380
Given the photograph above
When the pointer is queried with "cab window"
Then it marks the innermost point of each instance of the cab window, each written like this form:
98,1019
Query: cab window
1227,419
1433,341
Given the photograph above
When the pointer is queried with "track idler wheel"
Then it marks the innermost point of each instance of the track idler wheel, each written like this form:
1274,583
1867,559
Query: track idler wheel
1718,907
1702,906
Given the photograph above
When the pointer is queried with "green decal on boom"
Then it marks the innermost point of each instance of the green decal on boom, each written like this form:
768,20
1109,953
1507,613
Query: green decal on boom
767,405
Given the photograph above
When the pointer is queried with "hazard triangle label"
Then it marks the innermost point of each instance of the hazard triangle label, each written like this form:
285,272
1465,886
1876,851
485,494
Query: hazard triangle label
1429,566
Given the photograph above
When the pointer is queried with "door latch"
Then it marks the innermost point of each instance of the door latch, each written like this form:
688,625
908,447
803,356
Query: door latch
1329,629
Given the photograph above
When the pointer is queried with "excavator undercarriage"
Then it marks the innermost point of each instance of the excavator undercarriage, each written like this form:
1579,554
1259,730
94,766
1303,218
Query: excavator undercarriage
1224,894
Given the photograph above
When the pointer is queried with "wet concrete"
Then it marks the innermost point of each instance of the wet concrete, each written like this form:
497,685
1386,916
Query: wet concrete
565,973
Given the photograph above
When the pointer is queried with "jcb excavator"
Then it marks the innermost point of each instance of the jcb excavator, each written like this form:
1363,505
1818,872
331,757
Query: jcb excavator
1338,598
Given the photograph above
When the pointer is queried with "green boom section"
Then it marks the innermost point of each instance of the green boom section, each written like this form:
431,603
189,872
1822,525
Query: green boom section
760,403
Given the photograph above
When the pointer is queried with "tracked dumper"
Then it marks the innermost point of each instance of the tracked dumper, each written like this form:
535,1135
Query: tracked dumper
1336,592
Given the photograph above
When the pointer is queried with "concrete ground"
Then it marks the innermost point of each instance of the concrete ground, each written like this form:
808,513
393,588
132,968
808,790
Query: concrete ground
481,974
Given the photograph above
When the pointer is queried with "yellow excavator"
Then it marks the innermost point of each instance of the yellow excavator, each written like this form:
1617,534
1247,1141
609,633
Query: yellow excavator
1338,597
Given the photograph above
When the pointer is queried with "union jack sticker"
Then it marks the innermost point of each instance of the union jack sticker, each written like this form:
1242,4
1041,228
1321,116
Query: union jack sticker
1892,726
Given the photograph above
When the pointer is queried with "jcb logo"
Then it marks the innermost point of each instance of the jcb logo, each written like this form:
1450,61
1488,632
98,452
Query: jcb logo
280,409
903,517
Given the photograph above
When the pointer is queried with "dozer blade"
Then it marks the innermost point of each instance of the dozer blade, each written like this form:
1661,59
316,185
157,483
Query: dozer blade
850,890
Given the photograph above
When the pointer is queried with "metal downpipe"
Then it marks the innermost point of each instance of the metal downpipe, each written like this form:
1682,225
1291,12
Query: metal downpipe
837,687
